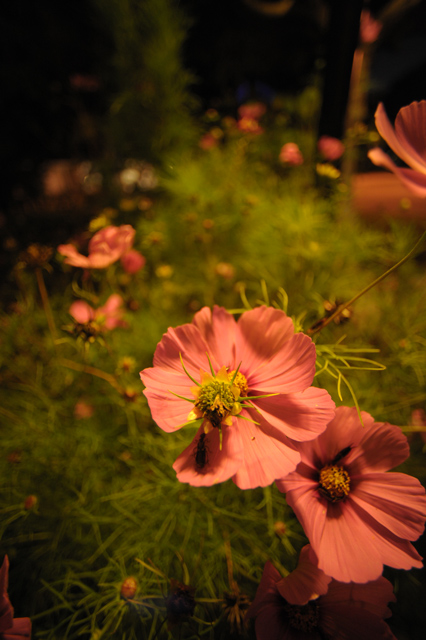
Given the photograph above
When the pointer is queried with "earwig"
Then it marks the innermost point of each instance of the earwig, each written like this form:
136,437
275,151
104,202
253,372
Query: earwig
201,452
344,452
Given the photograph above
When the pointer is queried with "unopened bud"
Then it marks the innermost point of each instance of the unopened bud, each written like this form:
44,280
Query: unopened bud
129,588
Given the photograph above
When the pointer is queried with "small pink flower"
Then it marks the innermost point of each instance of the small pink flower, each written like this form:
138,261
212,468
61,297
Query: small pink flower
208,141
253,110
83,410
10,629
330,148
105,248
240,435
249,125
107,317
408,141
369,28
291,154
132,261
308,605
356,515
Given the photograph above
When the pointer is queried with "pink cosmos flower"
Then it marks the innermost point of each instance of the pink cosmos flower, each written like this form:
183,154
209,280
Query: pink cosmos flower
408,141
246,385
308,605
107,317
10,629
132,261
105,248
357,516
330,148
291,154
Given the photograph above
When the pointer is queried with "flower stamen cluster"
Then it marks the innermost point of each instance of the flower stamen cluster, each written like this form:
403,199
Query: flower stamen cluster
303,617
334,483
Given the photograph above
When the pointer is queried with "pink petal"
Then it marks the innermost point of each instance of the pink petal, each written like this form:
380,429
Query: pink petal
408,141
81,311
352,623
383,446
73,257
265,459
21,628
300,416
305,583
187,341
373,596
262,332
168,411
413,180
102,260
220,464
395,500
132,261
266,591
112,305
290,370
218,329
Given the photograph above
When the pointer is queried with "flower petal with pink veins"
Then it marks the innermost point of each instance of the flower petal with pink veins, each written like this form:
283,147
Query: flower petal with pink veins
396,500
82,312
168,411
187,341
265,458
413,180
218,328
262,332
305,583
300,416
408,139
290,370
373,595
382,447
349,622
220,464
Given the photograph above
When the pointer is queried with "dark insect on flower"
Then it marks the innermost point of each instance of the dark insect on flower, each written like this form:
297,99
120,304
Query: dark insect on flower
344,452
201,452
180,603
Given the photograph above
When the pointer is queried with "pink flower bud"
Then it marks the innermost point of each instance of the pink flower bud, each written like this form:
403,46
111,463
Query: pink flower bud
330,148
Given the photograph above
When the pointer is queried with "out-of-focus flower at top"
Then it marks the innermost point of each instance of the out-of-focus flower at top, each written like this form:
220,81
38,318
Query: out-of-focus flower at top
408,141
252,110
107,317
369,28
132,261
308,605
247,386
291,154
106,247
10,628
330,148
356,514
249,125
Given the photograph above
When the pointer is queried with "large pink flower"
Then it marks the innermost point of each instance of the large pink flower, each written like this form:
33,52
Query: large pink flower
408,141
240,435
105,248
10,628
357,516
308,605
107,317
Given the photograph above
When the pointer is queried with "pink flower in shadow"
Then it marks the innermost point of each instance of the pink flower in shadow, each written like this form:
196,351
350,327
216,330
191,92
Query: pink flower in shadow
105,248
252,110
291,154
356,515
330,148
240,435
408,141
107,317
10,628
308,605
132,261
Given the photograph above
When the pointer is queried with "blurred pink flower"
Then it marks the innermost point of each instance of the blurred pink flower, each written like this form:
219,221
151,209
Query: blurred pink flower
107,317
132,261
240,435
369,28
253,110
291,154
357,516
408,141
10,629
308,605
208,141
82,409
105,248
249,125
330,148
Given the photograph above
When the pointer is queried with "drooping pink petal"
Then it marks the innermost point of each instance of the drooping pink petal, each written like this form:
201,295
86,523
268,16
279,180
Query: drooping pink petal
220,464
73,257
187,341
408,141
396,500
265,458
289,370
81,311
218,329
300,416
168,411
413,180
305,583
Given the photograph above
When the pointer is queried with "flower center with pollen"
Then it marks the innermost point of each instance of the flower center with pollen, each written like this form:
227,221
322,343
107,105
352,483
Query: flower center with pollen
218,396
303,617
334,483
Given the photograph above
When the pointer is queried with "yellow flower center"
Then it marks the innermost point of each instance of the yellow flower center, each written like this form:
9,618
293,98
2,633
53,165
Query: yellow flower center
217,399
334,483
